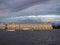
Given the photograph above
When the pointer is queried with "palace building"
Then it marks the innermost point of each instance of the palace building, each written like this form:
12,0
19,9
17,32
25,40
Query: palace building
27,26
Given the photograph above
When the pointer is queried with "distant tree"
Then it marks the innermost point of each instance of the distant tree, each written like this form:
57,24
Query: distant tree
56,27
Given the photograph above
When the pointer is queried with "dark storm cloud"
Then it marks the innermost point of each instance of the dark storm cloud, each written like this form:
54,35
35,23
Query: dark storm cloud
17,5
13,8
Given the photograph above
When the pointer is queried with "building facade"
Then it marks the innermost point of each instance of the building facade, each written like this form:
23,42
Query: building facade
27,26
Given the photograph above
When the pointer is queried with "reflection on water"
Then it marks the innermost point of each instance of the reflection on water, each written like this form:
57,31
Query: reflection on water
42,37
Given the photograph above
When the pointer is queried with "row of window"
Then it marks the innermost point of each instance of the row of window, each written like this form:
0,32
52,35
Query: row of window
30,26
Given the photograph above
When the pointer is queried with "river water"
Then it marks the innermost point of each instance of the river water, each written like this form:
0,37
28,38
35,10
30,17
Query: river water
49,37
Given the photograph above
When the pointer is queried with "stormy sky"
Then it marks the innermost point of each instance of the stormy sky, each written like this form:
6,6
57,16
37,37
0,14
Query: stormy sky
17,10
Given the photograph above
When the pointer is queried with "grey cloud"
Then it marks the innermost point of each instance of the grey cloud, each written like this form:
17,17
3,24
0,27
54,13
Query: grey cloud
50,7
29,7
17,5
